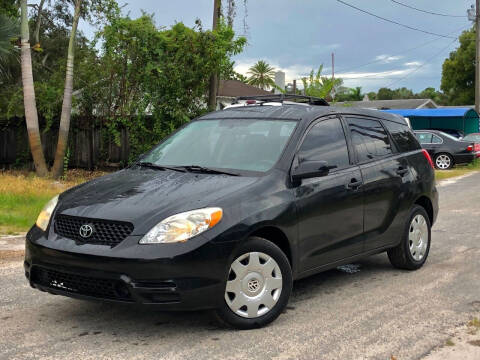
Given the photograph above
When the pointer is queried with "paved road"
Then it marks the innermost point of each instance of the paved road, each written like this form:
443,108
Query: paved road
374,313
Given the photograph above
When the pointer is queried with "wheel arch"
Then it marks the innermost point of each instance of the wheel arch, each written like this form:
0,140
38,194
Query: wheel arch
278,237
426,203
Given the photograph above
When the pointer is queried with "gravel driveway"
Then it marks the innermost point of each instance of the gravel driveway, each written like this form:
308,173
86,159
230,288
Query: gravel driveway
364,311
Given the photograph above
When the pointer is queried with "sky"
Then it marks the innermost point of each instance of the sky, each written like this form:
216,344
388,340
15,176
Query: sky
296,36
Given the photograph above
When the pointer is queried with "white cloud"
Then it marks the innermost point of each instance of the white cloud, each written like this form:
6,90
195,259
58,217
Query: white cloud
368,80
413,63
387,58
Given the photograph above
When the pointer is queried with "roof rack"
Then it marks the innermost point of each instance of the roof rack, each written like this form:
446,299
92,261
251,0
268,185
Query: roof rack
284,97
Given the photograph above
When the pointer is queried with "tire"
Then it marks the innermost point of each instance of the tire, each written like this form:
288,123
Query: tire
443,161
264,285
413,250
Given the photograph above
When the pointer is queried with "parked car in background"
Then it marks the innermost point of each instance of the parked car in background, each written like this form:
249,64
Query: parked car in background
475,137
455,133
445,149
226,212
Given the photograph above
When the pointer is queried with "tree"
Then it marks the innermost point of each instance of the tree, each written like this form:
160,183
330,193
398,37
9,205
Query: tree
151,81
31,114
262,75
8,31
320,86
356,94
458,73
385,94
64,129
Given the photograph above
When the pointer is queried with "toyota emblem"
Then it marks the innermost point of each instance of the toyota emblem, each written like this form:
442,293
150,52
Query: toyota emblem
86,231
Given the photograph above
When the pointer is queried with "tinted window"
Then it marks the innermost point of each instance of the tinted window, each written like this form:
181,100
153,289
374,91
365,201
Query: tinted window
369,139
325,141
436,139
242,144
402,136
424,138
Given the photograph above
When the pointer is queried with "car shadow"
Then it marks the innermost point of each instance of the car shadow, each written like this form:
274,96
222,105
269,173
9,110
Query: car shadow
127,321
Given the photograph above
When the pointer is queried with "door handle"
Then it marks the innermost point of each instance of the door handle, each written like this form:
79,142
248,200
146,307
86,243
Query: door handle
354,184
402,171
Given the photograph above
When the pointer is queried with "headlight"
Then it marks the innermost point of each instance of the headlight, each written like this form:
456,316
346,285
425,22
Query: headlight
181,227
44,217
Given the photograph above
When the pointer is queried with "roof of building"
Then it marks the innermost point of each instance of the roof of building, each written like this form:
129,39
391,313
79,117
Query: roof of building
442,112
234,88
391,104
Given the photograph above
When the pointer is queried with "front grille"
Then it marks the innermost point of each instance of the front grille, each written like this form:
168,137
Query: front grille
79,284
105,232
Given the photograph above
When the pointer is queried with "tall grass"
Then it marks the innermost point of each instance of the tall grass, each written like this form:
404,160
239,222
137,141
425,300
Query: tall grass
23,195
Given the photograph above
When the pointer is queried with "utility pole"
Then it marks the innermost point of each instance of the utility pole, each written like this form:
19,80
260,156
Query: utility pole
333,74
474,15
212,95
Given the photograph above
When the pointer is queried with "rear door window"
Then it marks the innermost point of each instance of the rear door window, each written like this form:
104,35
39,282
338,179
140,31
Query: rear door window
369,138
424,138
436,139
325,141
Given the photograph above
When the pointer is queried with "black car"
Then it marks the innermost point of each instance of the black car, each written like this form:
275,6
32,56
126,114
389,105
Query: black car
446,150
226,212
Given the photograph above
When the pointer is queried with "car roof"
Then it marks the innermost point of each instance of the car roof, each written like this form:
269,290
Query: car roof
292,111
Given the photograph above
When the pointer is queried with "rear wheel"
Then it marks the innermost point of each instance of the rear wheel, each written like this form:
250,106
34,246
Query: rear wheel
412,252
259,283
443,161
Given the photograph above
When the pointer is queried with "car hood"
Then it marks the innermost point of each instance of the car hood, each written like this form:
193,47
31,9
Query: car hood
146,196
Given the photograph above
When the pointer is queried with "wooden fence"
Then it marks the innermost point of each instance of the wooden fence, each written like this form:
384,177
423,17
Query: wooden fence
88,147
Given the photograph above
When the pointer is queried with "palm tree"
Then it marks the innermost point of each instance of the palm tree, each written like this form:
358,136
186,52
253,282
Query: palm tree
8,30
29,102
67,98
262,75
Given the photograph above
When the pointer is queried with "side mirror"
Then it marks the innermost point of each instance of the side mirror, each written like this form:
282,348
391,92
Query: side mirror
311,169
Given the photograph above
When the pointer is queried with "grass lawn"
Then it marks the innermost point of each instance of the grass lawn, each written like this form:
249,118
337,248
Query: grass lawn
23,195
457,171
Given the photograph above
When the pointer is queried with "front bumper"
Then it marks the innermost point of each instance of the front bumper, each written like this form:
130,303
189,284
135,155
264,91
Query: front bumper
192,281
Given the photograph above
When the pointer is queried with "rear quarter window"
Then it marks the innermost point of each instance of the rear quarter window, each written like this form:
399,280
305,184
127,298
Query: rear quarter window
402,135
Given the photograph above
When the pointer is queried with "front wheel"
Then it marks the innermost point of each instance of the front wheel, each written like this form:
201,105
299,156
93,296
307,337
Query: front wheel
412,252
443,161
259,283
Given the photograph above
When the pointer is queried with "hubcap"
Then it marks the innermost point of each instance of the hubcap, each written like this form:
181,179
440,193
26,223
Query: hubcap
443,161
254,285
418,237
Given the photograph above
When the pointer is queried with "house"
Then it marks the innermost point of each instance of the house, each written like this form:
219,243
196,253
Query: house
228,90
391,104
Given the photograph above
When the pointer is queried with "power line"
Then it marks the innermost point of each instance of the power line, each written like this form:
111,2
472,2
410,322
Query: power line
402,52
393,21
425,11
421,66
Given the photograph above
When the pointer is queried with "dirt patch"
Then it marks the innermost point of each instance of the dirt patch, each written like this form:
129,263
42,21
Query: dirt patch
474,342
11,255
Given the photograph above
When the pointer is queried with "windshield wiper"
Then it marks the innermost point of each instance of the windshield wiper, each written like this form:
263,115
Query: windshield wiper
159,167
206,170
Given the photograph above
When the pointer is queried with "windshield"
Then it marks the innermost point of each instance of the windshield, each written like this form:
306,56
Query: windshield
240,144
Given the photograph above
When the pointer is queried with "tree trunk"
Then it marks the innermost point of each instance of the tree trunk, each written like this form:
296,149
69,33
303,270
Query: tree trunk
29,102
57,169
36,35
212,95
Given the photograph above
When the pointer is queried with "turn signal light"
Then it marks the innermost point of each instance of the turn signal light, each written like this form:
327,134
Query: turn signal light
428,157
